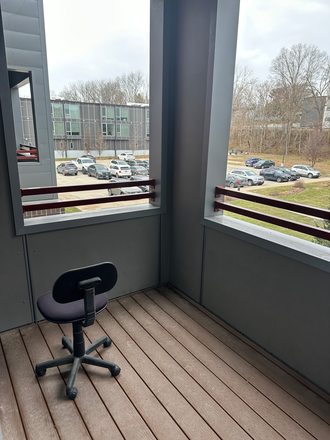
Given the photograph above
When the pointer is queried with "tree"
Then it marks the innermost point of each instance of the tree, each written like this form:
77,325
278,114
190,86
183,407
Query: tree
100,145
316,147
135,138
87,139
62,147
134,86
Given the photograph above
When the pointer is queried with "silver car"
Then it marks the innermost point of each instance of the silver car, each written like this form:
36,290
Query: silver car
306,171
252,177
119,191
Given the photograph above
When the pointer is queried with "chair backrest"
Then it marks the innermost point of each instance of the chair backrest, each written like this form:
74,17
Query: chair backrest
67,289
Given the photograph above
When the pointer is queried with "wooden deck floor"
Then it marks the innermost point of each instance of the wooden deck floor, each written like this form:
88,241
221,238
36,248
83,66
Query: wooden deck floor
184,376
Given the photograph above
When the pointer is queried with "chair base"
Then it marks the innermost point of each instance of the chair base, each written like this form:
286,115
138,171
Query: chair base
71,391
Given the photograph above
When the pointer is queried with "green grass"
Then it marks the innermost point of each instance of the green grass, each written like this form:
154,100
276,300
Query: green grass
71,209
314,195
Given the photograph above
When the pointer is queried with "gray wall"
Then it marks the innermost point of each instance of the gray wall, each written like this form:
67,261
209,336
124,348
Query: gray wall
279,303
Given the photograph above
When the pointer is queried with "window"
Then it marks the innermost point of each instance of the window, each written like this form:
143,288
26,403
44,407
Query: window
71,146
72,111
57,110
108,129
121,114
58,128
147,115
72,128
108,113
147,130
122,130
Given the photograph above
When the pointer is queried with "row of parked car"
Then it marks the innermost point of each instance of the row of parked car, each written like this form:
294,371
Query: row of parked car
238,177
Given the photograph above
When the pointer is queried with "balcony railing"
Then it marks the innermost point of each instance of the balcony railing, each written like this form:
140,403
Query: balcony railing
268,201
28,206
27,153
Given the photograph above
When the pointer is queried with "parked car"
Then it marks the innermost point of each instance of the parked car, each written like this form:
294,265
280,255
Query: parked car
117,162
275,174
251,161
252,177
306,171
294,175
67,168
120,170
119,191
88,156
132,163
126,156
145,188
145,163
99,171
234,181
139,171
83,164
264,164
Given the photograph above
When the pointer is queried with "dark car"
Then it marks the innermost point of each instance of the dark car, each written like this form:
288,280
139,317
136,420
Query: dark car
235,181
251,161
99,171
119,191
275,174
89,156
294,175
139,180
264,164
132,163
141,171
67,168
145,163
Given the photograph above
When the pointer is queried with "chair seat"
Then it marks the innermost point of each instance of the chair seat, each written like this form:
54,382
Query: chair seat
69,312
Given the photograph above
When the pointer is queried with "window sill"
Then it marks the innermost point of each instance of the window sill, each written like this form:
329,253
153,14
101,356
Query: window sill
292,247
65,221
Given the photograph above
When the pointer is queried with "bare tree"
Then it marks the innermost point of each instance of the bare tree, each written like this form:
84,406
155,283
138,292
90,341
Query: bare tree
100,145
62,147
134,86
135,138
87,139
316,147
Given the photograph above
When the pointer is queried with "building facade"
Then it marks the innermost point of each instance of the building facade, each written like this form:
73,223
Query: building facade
101,129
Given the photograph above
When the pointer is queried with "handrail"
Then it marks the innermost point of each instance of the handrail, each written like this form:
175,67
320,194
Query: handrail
37,206
290,206
27,153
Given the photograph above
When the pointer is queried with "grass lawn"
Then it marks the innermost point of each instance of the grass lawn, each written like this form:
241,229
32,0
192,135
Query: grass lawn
316,194
71,209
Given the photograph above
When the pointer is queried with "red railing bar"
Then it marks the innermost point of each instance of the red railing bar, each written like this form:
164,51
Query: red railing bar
32,150
74,188
27,157
289,224
289,206
80,202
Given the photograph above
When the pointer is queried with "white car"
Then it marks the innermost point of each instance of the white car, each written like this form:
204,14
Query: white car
120,170
126,156
306,171
252,177
82,164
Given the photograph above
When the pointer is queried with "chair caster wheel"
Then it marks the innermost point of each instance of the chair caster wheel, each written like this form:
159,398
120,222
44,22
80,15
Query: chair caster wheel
72,393
115,370
40,372
107,343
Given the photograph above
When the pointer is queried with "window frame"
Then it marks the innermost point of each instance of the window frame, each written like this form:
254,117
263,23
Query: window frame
214,160
161,83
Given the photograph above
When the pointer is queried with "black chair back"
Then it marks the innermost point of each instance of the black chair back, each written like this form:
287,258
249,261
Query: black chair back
67,289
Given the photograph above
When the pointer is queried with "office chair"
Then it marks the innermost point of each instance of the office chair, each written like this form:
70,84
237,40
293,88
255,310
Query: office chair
76,297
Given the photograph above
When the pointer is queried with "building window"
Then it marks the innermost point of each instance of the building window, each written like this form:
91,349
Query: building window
71,146
147,130
122,130
58,128
72,128
57,110
121,114
108,113
108,129
72,111
147,115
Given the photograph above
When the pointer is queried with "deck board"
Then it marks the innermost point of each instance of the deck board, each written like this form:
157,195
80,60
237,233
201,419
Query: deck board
184,376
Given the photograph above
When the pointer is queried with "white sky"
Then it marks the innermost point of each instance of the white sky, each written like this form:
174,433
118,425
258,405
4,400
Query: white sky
105,38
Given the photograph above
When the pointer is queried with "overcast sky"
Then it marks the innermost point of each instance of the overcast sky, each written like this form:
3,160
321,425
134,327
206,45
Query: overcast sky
105,38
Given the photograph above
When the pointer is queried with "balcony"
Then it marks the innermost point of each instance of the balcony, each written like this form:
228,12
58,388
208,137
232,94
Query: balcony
185,374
